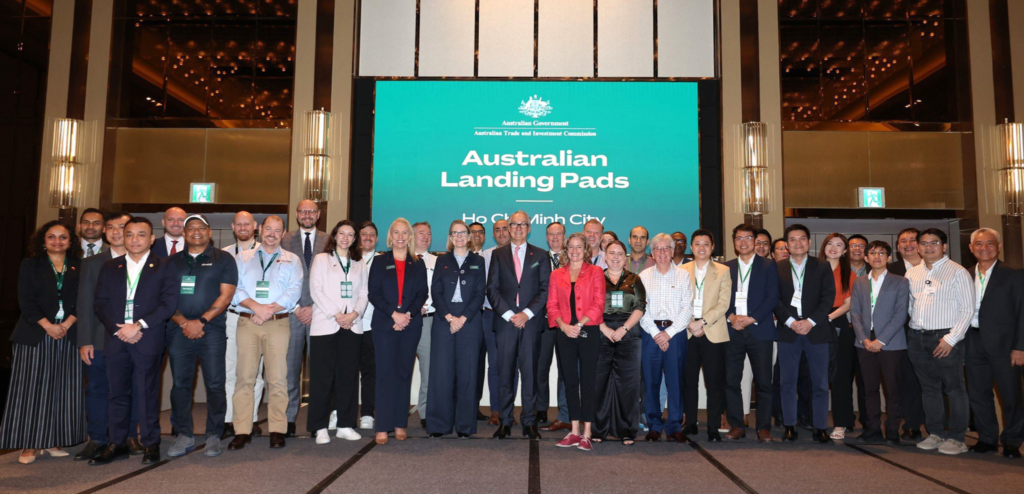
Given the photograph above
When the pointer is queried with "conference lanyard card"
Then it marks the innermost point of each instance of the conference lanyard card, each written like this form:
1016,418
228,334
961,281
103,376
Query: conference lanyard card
798,303
129,311
931,288
346,289
188,285
698,308
60,311
263,289
741,303
617,300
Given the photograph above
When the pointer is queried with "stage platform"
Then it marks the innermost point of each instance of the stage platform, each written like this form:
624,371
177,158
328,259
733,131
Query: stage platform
482,465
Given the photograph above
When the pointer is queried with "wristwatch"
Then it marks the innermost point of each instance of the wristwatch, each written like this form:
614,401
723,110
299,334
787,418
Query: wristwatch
204,321
579,325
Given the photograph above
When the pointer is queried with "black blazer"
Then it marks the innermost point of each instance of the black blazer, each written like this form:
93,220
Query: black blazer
156,299
90,328
472,277
382,288
819,292
37,298
1001,317
532,286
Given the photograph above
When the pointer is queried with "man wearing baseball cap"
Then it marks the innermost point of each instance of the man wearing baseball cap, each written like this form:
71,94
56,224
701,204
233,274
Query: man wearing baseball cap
207,278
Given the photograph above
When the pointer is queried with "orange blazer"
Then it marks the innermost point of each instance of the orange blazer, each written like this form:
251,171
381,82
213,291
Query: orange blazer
589,295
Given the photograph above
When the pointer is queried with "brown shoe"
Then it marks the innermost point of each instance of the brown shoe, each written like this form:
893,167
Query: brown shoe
735,434
764,436
276,440
556,426
677,437
652,437
494,420
239,441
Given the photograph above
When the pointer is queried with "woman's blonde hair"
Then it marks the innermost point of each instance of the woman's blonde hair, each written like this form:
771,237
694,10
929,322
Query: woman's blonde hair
409,246
470,243
563,257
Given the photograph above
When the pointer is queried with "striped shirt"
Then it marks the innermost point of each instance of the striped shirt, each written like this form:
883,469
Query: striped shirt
941,298
669,296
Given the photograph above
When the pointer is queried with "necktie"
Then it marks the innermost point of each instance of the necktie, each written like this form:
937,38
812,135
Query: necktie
554,260
174,247
307,253
91,251
519,270
419,256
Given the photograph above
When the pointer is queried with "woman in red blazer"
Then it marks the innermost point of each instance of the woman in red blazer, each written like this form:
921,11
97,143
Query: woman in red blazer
576,309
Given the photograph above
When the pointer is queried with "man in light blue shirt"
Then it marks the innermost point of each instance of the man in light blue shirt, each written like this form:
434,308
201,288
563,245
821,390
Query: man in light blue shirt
269,286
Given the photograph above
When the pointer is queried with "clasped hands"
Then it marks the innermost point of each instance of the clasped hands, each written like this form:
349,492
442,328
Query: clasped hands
346,320
193,329
519,320
873,346
402,320
262,313
801,327
56,331
696,328
739,323
613,335
455,323
129,333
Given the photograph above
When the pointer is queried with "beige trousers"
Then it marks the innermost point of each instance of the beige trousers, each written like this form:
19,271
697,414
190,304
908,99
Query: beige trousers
271,342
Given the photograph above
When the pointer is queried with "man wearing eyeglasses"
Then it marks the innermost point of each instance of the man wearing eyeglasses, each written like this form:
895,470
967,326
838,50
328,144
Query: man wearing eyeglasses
679,256
941,310
306,243
910,387
517,287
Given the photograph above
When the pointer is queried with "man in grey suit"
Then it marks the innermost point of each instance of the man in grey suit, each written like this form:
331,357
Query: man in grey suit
306,242
878,308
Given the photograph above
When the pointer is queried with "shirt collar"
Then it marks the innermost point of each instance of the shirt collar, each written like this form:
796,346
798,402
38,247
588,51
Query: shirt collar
746,264
304,231
169,238
880,279
936,264
263,250
132,265
799,265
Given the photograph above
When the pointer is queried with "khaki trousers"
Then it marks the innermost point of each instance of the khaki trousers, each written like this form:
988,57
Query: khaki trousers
271,342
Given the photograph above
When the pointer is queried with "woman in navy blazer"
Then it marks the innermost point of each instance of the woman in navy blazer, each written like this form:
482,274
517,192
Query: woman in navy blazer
398,290
460,277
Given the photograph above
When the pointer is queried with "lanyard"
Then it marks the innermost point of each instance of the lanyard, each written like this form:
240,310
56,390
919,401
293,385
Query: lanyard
799,277
871,292
64,268
700,285
743,277
251,247
344,266
981,277
133,284
266,267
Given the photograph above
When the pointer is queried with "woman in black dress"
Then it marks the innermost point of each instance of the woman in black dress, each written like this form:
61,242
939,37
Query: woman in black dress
44,406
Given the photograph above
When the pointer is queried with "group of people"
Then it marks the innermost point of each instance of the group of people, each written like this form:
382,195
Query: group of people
633,333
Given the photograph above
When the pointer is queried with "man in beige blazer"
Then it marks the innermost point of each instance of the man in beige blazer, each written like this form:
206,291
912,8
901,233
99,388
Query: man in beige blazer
707,333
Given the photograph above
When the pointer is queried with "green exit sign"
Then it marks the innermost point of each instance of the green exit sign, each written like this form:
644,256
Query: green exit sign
872,197
203,193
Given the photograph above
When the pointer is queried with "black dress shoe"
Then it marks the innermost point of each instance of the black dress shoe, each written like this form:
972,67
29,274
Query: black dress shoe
91,449
423,423
821,436
893,441
480,415
135,447
110,453
652,437
714,436
690,429
229,430
542,417
276,440
1011,451
503,431
677,437
790,434
531,431
804,423
435,435
257,431
779,422
151,454
291,430
463,435
983,447
870,438
239,441
911,435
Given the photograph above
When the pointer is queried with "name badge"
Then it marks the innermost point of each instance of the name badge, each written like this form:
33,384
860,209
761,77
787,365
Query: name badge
741,303
188,285
129,311
474,267
698,309
60,311
798,303
346,289
263,289
535,265
617,300
931,289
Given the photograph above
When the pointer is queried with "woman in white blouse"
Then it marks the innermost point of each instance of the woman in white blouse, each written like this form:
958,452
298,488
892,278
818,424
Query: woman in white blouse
337,283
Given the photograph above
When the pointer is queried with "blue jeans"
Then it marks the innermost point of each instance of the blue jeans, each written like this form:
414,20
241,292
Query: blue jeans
938,376
672,363
182,352
96,398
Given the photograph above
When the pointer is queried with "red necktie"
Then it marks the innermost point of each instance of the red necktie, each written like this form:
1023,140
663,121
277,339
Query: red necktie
174,247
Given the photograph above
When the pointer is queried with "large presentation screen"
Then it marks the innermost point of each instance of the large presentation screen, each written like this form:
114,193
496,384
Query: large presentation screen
625,153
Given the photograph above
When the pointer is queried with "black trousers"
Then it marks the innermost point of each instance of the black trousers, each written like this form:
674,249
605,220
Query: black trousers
910,395
804,409
846,369
367,374
875,367
743,345
983,369
702,353
334,379
619,383
580,353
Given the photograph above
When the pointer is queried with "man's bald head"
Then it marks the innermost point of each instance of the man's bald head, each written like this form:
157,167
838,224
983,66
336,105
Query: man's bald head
244,226
307,213
174,222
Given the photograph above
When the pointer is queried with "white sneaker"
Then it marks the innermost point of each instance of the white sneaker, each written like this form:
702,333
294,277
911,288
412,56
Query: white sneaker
348,433
933,442
952,447
333,423
322,436
838,433
366,422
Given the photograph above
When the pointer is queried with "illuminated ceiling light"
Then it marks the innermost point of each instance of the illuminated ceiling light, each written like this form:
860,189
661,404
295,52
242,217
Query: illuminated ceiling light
65,178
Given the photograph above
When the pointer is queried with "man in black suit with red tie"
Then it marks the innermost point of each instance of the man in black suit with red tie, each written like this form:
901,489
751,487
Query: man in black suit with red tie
517,287
135,296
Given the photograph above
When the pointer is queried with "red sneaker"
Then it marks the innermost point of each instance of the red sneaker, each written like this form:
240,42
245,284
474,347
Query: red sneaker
585,444
569,441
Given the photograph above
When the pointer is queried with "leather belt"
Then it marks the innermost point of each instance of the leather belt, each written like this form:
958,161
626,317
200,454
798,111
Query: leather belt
663,323
975,329
249,316
485,309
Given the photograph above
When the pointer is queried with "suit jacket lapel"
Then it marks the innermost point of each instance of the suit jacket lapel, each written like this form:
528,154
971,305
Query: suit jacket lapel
786,275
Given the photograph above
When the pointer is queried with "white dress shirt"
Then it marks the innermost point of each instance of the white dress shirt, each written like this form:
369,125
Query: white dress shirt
522,267
980,284
169,241
798,288
134,273
302,241
941,298
669,297
429,260
743,274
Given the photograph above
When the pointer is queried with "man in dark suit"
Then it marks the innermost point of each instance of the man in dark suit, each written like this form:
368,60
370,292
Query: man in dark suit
517,287
806,292
995,347
306,243
135,296
755,284
91,336
910,387
90,232
173,240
